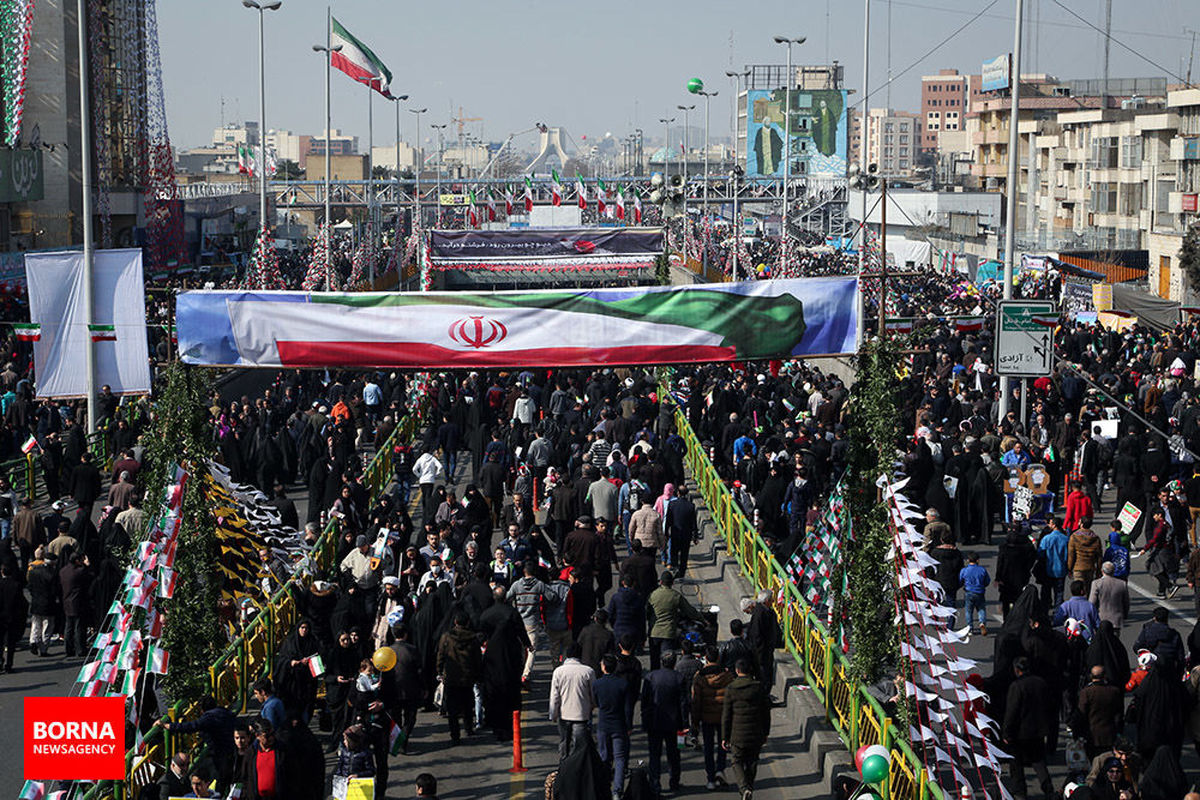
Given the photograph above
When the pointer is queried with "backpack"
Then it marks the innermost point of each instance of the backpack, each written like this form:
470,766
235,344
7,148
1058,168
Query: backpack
636,491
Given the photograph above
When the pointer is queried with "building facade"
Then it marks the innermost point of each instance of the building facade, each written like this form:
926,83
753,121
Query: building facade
893,141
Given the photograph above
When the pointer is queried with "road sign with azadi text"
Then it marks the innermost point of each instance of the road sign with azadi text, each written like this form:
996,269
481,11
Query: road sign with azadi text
1025,338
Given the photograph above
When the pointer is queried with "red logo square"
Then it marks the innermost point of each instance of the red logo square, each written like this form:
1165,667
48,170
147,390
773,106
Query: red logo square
74,738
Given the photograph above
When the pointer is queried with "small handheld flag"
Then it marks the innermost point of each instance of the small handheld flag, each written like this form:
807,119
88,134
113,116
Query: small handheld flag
30,444
316,665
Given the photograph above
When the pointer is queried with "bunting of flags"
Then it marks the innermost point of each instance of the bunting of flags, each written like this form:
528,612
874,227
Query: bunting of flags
950,727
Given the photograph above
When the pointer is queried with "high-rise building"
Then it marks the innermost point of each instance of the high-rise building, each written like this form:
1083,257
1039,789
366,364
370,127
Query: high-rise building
893,141
944,104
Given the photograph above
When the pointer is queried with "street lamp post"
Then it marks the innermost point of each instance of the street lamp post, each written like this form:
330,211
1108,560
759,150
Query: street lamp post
787,142
398,99
707,98
328,51
439,129
667,146
737,77
261,8
419,162
685,110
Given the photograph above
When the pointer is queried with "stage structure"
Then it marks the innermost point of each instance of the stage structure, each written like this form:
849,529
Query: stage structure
544,257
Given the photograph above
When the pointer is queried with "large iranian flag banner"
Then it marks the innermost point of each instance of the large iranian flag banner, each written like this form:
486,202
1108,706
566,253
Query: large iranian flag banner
358,61
638,325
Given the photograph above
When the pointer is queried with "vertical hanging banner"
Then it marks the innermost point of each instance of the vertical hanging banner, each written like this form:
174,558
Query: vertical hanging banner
637,325
118,332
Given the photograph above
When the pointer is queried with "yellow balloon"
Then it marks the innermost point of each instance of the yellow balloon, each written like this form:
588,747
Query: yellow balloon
384,659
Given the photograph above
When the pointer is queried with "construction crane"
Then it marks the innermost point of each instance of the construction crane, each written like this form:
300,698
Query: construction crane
461,121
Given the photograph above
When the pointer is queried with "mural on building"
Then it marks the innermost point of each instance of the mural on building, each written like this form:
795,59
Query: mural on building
818,130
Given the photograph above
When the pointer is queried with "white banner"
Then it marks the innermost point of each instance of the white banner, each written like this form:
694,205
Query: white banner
56,291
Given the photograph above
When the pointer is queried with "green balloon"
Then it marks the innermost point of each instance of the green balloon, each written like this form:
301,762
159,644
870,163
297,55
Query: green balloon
695,86
874,768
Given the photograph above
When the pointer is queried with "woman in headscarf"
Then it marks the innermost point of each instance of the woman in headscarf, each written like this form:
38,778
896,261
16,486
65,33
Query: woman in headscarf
341,671
294,681
505,646
1163,778
1008,646
1017,557
664,500
1107,651
1159,705
432,609
1112,780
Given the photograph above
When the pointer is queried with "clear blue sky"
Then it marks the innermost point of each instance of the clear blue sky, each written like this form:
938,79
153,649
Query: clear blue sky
608,66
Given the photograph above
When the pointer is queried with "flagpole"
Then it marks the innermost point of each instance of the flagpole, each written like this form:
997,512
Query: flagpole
85,168
328,145
371,182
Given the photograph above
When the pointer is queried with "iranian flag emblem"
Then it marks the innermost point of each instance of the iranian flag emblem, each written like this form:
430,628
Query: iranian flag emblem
555,188
27,331
103,333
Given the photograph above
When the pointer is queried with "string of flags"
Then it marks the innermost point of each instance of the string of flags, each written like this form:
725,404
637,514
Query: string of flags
819,558
950,726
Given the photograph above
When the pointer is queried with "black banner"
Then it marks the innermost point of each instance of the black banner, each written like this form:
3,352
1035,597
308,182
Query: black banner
523,244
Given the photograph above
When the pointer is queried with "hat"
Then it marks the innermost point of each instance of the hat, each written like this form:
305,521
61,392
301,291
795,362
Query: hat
361,541
322,410
58,505
316,404
583,520
391,580
1145,658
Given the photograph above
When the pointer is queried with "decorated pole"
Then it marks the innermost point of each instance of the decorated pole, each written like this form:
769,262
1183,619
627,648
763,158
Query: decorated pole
85,168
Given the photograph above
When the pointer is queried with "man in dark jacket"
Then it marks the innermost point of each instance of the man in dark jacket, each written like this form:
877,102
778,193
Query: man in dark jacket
680,528
215,726
1029,713
763,636
596,640
1160,638
286,508
409,688
745,723
664,714
13,609
610,693
1102,706
708,703
85,483
42,583
75,578
269,766
627,610
641,570
460,665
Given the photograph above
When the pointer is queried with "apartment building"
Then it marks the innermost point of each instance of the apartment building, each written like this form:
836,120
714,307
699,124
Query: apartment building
1117,179
893,141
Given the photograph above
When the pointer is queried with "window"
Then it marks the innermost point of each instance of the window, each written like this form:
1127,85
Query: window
903,140
1104,152
903,164
903,127
887,126
1104,198
1131,151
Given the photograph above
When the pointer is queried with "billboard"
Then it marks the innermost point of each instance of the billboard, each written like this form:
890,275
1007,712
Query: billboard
544,243
818,127
996,74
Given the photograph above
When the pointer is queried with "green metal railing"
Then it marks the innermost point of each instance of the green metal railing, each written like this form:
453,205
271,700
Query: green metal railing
855,714
252,654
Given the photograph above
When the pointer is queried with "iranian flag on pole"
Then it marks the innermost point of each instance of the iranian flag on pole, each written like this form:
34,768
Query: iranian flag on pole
637,208
103,333
30,444
27,332
601,193
472,217
555,188
356,60
157,660
491,201
508,200
528,195
580,191
621,204
243,160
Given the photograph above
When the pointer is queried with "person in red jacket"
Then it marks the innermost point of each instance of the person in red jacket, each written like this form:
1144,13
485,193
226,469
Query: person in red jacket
1077,506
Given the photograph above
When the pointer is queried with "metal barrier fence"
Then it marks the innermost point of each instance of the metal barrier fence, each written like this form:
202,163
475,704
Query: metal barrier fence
856,715
252,654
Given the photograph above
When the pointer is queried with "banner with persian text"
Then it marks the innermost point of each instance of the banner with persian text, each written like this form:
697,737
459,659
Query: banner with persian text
560,245
637,325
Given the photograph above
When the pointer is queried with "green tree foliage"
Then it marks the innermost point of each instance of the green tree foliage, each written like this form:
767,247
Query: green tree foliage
1189,256
193,634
